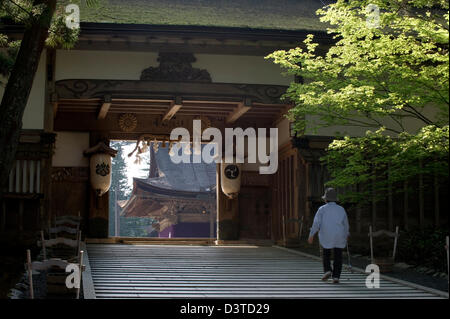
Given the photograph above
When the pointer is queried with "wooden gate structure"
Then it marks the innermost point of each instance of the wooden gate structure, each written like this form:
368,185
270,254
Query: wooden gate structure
126,79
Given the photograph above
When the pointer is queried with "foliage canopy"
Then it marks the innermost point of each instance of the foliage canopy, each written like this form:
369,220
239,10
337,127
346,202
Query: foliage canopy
388,68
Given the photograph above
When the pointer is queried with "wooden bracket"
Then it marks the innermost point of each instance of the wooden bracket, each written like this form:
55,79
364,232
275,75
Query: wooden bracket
241,109
105,107
173,109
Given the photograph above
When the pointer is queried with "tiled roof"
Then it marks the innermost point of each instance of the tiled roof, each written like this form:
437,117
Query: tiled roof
200,177
253,14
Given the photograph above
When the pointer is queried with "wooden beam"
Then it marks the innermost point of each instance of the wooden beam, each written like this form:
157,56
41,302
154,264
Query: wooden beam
242,108
105,107
136,89
173,109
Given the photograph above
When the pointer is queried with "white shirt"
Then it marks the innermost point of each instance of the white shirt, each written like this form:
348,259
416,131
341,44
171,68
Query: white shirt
332,223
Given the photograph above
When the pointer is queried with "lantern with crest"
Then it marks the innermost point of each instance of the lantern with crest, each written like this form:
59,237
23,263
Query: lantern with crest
230,177
100,167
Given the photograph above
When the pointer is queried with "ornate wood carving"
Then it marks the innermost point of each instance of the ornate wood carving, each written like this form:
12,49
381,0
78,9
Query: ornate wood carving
151,90
84,121
176,67
61,173
70,174
128,122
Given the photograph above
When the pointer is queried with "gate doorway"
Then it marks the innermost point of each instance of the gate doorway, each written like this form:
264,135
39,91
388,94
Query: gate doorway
152,197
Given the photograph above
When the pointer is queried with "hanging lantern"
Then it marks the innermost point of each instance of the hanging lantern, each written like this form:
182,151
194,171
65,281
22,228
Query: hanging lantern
230,179
100,167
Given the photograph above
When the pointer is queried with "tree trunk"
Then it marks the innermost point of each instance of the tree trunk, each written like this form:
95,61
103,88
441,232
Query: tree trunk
19,86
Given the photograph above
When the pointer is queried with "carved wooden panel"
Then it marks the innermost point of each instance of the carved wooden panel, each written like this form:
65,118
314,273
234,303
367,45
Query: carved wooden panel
176,67
151,90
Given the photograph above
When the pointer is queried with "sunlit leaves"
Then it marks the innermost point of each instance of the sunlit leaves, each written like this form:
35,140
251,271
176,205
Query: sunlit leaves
374,71
353,161
377,78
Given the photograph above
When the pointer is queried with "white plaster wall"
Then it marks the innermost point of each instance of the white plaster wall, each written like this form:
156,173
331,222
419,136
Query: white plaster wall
241,69
33,117
69,149
104,65
78,64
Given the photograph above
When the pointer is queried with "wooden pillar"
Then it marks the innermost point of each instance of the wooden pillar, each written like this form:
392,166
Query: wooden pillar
227,214
211,223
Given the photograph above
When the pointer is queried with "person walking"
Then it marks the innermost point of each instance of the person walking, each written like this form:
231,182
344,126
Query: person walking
332,224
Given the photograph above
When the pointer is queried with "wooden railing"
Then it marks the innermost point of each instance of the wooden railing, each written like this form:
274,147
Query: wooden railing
24,202
25,177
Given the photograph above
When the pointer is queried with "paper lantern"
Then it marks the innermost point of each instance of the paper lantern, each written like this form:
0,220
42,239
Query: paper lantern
100,167
230,179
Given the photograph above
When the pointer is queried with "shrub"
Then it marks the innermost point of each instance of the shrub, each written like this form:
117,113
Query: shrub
424,247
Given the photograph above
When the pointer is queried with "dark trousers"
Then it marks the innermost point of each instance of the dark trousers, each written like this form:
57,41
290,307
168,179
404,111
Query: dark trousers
337,264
